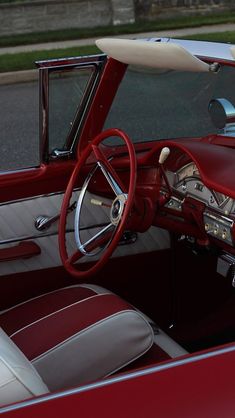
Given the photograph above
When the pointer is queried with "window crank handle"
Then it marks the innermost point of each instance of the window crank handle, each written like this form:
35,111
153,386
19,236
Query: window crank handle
43,222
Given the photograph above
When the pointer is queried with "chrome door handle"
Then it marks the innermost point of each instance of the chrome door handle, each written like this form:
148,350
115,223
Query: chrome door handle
43,222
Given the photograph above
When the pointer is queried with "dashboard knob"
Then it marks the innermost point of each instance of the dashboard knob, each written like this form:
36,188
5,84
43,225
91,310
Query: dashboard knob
224,234
207,227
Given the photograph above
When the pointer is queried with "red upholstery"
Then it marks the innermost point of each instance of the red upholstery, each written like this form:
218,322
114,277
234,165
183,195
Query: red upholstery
77,334
82,333
32,310
35,326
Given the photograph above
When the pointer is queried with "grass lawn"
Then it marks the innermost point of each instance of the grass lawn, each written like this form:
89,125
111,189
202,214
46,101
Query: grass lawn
137,27
215,37
25,61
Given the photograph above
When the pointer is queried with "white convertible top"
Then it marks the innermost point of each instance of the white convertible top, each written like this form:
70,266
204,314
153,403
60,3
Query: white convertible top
152,54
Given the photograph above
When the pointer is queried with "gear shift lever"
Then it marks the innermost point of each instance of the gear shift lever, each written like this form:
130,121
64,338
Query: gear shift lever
164,155
165,152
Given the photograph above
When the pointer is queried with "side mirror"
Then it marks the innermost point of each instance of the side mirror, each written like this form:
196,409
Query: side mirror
222,113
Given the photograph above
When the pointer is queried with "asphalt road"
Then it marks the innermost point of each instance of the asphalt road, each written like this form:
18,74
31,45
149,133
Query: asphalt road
19,127
19,122
150,105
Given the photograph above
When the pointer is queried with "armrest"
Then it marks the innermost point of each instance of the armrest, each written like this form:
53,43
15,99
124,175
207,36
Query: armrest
25,249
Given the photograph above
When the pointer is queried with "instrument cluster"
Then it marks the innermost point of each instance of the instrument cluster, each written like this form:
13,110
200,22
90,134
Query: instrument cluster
219,213
187,181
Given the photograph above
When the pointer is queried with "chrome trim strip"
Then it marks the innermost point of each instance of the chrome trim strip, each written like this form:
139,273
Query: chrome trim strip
64,63
29,237
89,95
219,218
122,378
9,202
43,113
17,170
47,234
79,113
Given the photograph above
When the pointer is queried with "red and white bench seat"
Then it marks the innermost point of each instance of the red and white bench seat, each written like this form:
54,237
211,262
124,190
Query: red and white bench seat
74,335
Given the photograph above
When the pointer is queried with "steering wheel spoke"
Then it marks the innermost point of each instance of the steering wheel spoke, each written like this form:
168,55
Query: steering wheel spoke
108,171
98,240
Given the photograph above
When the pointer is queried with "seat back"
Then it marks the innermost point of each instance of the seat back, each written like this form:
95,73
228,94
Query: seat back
18,378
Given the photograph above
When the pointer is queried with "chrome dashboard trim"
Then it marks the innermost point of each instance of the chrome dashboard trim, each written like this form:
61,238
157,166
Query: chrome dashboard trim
221,218
174,203
218,226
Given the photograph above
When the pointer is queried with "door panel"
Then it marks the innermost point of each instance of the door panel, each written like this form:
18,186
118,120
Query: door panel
17,224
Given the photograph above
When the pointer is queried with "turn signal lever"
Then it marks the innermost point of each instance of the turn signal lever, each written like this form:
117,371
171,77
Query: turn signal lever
165,152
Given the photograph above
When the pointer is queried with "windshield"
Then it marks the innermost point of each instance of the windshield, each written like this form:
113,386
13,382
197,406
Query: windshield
165,104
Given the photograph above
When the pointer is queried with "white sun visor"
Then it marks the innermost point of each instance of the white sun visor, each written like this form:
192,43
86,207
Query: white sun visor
151,54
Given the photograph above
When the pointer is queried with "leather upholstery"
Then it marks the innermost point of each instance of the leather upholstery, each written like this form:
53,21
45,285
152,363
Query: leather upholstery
77,334
72,336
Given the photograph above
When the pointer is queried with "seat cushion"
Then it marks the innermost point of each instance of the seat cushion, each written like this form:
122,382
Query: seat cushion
77,334
18,378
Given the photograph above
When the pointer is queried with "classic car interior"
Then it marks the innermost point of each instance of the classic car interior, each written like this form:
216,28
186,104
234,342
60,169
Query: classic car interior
118,250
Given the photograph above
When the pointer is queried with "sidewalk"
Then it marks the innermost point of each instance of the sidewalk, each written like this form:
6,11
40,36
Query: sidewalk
90,41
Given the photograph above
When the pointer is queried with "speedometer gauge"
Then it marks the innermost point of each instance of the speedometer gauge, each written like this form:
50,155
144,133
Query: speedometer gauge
189,170
188,183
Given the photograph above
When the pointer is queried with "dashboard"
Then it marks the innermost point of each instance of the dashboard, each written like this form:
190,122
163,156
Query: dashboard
218,213
191,192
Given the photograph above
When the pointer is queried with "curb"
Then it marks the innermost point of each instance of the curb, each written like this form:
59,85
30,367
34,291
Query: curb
15,77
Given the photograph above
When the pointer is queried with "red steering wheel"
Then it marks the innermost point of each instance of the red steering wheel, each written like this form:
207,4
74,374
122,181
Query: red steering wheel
107,239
